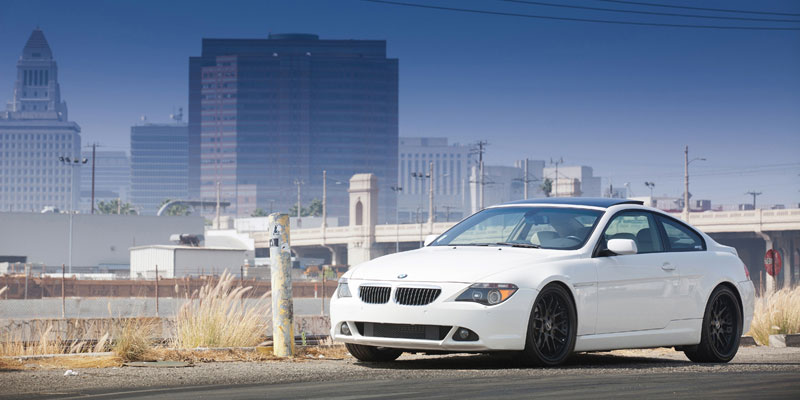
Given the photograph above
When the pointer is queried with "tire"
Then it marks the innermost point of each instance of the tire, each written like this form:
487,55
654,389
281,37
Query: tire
372,353
552,328
721,330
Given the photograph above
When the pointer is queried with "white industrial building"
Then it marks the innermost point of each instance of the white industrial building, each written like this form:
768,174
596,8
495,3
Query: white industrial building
180,261
99,242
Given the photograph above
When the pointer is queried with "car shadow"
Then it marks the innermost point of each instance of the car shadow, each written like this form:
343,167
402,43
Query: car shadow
507,361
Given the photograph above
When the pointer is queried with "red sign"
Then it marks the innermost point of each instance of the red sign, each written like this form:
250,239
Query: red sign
773,262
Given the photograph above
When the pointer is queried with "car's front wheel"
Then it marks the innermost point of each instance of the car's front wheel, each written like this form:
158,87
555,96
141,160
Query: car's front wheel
372,353
721,331
552,328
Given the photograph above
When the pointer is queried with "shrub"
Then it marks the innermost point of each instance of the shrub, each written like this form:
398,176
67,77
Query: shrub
218,317
778,313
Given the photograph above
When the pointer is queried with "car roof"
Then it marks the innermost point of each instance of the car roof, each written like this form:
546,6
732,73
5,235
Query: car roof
603,202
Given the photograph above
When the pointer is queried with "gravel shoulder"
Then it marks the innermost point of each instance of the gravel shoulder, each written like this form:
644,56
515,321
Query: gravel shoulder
410,369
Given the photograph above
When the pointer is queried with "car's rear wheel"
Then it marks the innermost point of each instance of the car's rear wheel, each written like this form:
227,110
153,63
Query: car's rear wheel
372,353
721,331
552,328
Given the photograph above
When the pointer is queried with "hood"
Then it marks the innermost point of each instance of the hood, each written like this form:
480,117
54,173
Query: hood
462,264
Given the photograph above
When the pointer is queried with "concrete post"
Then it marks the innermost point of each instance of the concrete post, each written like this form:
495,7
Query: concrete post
280,256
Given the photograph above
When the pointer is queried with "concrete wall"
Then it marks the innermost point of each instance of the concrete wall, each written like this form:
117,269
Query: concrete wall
97,239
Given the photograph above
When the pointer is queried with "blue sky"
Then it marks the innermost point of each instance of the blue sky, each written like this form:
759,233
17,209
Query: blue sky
622,99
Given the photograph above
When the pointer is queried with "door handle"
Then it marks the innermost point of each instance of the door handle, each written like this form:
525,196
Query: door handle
667,267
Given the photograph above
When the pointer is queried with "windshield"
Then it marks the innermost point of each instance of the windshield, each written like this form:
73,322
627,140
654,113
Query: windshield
545,227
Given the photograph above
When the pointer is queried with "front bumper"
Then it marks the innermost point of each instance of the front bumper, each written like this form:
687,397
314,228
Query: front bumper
499,327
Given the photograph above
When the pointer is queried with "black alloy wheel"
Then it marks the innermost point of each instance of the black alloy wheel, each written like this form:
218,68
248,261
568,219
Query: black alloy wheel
721,330
552,327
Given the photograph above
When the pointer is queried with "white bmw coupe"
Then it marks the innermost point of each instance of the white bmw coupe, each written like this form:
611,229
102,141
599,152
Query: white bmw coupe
546,278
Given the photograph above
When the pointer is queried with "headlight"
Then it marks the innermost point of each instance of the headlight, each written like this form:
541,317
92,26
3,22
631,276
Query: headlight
343,290
488,294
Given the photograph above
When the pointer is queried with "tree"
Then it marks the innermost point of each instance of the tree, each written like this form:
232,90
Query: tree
314,209
259,212
114,207
176,210
547,187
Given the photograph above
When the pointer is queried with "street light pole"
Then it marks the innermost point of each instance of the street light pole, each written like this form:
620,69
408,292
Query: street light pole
72,163
397,189
686,162
430,194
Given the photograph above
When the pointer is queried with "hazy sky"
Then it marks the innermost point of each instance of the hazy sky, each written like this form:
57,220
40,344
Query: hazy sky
622,99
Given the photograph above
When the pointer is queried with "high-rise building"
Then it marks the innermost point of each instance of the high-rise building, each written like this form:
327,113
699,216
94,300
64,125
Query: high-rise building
266,113
159,165
39,146
112,180
451,163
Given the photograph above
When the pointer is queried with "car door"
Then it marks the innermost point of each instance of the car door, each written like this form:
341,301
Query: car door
688,252
635,291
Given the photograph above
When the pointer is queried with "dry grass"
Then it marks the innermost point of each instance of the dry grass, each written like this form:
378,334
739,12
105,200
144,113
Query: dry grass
134,338
198,356
217,317
67,362
778,313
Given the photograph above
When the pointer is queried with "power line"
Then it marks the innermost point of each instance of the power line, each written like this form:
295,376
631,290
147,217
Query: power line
617,10
535,16
640,3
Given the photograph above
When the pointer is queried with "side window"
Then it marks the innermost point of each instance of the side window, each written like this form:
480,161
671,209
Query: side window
681,237
637,226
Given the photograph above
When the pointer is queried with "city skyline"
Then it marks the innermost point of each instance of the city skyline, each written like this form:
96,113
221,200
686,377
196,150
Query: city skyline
731,96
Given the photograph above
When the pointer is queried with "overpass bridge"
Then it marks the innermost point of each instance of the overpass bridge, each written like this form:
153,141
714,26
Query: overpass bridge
750,232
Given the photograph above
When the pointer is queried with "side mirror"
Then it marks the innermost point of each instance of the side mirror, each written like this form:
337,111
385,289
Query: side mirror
429,239
622,246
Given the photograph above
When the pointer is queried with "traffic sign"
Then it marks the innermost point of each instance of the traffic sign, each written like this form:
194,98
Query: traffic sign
773,262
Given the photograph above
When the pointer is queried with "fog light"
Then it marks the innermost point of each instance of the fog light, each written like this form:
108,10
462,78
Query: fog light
465,335
345,329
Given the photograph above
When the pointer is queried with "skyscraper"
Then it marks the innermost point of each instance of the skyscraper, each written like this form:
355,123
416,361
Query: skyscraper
266,113
159,165
38,144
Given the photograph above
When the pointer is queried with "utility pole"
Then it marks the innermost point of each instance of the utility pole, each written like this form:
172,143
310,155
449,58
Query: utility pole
298,182
218,195
686,183
324,199
754,194
555,178
525,180
481,148
430,194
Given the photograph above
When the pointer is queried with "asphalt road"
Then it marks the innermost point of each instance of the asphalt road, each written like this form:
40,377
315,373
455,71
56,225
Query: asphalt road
755,373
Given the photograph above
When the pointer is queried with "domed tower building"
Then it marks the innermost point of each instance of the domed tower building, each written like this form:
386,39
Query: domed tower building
39,146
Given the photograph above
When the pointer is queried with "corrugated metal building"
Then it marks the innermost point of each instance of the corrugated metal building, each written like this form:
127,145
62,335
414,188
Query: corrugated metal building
180,261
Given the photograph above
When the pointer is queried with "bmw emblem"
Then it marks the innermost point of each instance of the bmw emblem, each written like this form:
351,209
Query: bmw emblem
402,276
